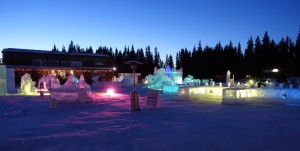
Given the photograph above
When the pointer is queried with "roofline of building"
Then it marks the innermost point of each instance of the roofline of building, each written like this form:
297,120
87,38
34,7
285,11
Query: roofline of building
56,67
51,52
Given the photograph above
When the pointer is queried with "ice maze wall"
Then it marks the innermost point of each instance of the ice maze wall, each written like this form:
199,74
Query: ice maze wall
227,95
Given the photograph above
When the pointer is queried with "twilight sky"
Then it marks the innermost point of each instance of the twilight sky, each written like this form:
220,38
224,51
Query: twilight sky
168,25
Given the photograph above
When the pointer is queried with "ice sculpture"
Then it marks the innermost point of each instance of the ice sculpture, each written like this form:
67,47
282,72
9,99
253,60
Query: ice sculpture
44,82
71,83
3,82
73,90
190,81
27,85
164,79
96,82
156,81
83,84
229,80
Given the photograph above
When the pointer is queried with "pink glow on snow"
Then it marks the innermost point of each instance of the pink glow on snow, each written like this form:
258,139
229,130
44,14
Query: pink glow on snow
110,92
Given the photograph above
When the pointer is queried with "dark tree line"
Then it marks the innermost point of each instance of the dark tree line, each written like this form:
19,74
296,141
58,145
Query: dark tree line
147,57
207,62
260,56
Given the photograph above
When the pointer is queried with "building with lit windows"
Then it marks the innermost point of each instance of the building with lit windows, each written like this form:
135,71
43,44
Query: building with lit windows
40,62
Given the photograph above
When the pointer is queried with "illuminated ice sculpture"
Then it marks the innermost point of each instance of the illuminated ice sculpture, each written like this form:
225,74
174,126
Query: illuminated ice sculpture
165,79
27,85
73,90
44,82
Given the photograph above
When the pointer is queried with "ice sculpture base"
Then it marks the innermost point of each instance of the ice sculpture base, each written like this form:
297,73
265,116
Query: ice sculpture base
72,95
225,95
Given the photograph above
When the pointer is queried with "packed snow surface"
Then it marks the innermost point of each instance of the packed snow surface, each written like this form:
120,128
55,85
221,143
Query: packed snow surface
27,123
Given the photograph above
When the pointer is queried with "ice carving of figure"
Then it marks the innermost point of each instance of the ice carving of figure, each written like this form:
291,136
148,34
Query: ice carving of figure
55,83
45,81
228,76
27,85
82,84
71,83
188,80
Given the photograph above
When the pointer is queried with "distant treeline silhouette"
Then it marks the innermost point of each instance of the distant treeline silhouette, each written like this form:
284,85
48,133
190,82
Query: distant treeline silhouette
208,62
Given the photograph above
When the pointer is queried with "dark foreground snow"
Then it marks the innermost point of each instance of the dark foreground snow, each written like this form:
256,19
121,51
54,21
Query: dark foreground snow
27,123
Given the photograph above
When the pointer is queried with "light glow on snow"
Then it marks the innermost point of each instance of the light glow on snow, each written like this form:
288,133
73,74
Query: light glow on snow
110,92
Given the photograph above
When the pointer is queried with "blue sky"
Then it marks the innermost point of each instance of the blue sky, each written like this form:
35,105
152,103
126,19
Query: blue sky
168,25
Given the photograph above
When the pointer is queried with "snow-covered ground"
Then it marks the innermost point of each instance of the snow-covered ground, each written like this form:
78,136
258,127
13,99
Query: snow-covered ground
27,123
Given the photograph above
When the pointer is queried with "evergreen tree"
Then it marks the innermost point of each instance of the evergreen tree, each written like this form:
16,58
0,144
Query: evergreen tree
141,57
297,55
78,49
167,60
132,54
71,47
258,57
249,57
171,62
149,66
266,52
54,48
178,61
90,50
63,49
156,58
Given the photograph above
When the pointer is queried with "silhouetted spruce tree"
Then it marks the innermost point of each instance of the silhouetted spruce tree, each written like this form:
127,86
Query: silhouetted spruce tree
199,61
169,61
249,58
266,52
240,62
54,48
273,54
63,49
89,50
120,62
110,52
141,57
194,62
71,48
126,53
218,59
132,54
296,59
178,61
78,49
156,58
185,60
292,57
230,57
208,59
149,61
99,50
258,57
283,57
